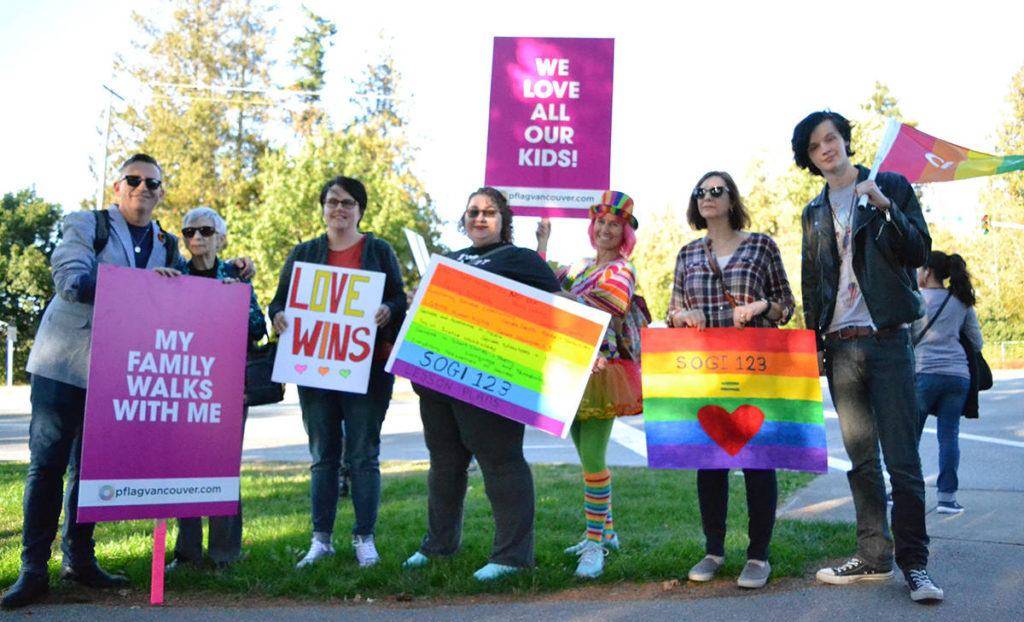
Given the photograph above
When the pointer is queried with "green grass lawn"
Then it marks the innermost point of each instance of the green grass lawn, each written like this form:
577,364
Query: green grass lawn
655,514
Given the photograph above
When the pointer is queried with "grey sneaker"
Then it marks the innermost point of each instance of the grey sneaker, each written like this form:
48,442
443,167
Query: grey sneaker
705,569
921,586
852,571
755,574
949,507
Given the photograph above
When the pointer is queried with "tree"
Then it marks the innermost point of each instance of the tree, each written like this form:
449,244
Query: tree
289,210
308,53
28,235
663,233
202,110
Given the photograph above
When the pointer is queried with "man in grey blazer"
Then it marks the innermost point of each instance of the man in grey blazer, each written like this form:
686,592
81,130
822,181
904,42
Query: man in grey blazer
59,366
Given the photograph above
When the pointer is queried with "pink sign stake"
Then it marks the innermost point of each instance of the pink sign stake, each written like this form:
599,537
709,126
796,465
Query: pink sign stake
550,132
156,589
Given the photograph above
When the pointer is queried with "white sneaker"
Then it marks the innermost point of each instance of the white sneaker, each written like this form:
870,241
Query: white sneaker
317,551
366,552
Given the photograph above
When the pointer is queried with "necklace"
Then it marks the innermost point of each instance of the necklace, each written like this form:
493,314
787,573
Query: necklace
845,228
138,243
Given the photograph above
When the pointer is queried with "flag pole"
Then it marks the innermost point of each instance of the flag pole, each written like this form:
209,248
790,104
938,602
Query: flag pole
889,134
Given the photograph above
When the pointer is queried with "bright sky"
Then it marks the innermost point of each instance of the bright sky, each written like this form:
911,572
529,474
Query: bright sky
698,87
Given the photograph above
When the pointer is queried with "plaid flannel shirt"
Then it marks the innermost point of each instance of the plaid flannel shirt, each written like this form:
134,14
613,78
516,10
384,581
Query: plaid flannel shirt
755,271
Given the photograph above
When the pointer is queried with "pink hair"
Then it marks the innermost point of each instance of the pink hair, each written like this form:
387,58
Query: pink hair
628,237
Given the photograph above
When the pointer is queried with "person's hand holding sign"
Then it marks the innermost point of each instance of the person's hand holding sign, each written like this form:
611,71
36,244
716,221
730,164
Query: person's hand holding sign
741,316
694,318
383,315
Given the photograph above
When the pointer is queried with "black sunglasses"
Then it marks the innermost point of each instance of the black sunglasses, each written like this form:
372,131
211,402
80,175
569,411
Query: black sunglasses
206,232
135,180
714,191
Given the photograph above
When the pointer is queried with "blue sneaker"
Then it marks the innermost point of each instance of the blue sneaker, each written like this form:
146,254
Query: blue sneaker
609,542
416,560
591,560
491,572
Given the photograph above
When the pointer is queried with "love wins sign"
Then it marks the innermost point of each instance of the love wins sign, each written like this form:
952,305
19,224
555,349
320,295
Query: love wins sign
732,398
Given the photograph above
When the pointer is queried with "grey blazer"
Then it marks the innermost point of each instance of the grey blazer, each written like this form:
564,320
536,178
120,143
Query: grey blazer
61,348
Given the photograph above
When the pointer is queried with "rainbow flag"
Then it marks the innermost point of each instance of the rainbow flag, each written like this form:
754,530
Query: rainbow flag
922,158
726,398
508,348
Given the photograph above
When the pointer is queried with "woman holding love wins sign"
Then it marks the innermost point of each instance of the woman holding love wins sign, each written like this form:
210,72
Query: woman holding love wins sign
730,278
333,417
606,281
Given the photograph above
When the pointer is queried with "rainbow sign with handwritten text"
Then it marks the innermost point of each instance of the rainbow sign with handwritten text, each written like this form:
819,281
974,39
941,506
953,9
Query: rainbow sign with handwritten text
726,398
494,343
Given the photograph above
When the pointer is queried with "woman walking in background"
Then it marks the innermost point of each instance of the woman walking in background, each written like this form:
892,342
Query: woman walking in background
943,375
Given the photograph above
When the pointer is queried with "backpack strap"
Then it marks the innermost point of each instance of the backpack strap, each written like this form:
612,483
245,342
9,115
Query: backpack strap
170,247
102,234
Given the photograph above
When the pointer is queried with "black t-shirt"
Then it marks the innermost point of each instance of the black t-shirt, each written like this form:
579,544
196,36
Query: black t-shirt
142,238
519,264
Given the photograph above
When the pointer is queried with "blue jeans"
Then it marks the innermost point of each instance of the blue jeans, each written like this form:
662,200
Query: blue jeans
55,445
335,417
871,380
944,396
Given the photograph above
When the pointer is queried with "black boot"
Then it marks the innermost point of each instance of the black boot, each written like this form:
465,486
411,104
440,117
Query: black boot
93,576
29,588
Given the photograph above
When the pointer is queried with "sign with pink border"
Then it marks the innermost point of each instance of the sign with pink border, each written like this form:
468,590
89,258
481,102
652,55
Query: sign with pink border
549,136
163,417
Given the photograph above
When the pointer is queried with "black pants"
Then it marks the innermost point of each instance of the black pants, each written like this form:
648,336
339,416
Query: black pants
55,443
454,432
762,498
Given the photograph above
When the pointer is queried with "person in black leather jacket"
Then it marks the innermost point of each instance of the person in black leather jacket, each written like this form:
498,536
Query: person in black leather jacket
859,295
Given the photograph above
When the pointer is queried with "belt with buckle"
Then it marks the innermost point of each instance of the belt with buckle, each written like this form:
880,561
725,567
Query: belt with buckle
856,332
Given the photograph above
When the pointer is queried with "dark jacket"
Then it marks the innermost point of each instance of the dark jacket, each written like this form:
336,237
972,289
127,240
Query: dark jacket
225,270
885,254
377,256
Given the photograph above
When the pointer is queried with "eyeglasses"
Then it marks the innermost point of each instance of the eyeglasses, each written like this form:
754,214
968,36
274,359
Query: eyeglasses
336,203
489,214
714,191
206,232
134,181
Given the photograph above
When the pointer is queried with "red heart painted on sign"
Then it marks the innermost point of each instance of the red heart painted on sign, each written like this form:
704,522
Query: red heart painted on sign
731,430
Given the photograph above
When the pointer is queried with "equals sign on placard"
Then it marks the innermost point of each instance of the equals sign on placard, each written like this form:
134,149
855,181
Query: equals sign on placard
733,386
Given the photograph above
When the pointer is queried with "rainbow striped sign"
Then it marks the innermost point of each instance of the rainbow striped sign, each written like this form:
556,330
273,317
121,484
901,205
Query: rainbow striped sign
727,398
492,342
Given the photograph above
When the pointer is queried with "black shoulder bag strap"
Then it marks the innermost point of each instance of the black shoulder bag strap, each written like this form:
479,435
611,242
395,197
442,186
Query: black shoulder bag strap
920,335
102,235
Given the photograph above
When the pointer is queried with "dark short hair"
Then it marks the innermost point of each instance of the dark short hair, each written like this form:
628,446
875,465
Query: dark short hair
350,185
143,158
802,136
738,216
500,202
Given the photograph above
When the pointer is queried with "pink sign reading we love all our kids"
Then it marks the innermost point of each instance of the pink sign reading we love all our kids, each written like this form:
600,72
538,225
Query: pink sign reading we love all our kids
163,415
549,136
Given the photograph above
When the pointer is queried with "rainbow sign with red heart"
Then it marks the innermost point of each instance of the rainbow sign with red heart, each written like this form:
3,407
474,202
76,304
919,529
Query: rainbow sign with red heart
726,398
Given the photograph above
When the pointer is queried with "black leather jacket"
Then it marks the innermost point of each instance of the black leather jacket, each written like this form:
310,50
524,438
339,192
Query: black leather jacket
885,254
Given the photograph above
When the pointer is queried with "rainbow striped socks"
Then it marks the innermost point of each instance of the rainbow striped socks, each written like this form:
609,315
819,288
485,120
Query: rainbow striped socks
597,495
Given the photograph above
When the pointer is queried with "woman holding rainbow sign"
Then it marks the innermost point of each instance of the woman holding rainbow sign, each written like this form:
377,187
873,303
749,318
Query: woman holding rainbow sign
730,278
607,282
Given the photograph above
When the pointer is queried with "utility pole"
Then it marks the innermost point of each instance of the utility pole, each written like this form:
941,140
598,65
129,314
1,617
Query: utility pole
12,336
106,139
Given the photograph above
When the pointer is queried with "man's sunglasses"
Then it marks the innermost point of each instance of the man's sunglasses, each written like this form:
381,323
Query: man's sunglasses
135,180
715,191
206,232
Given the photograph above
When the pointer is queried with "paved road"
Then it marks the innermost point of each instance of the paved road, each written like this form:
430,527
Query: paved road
978,556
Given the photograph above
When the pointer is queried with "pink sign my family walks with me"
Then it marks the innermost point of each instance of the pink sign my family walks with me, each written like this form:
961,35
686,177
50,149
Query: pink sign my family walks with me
550,130
163,418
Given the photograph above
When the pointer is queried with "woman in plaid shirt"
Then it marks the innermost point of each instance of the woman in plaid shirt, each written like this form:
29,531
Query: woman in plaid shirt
728,278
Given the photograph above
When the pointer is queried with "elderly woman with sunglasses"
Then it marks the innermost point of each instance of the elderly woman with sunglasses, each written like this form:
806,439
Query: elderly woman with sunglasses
335,417
606,281
730,277
455,431
205,234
